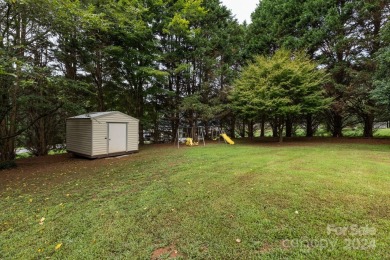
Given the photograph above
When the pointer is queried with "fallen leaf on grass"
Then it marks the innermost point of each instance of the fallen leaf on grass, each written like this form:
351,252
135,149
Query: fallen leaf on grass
41,221
58,246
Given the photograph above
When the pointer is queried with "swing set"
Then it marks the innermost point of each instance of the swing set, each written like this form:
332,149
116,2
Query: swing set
215,133
190,136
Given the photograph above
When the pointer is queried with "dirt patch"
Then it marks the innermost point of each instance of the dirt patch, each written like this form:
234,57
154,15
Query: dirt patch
204,249
50,165
266,248
55,169
169,251
285,245
246,177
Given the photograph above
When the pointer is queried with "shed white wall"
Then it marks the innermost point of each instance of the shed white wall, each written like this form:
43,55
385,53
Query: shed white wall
79,136
99,126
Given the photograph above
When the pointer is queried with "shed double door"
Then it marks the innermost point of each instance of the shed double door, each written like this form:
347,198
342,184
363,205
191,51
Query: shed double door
117,137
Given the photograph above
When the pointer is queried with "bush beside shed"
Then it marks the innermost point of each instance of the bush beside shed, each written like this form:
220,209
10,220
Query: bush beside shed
102,134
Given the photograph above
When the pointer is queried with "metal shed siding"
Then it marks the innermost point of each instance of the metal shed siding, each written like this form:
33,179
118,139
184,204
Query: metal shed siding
100,132
78,136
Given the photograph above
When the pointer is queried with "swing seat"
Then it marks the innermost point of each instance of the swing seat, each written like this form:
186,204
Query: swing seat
190,136
189,142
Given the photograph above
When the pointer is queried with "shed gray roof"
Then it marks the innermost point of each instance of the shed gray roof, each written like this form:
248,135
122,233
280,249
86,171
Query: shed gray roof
92,115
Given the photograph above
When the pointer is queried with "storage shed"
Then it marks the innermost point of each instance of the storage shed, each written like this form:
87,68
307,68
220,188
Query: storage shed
102,134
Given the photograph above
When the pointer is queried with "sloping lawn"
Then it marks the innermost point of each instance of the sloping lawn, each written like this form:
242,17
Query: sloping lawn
216,202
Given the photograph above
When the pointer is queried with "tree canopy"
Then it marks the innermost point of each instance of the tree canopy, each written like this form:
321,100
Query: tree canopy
381,92
284,85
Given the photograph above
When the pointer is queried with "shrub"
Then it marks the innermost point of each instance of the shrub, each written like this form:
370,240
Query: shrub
7,165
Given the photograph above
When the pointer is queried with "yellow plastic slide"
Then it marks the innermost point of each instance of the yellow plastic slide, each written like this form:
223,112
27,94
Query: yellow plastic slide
227,139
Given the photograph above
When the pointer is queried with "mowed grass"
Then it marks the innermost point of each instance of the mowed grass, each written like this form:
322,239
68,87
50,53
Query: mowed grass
213,202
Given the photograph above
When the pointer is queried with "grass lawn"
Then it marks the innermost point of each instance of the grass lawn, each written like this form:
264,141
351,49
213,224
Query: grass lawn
216,202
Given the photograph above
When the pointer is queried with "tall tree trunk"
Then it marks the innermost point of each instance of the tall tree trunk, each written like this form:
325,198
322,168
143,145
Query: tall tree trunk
281,128
250,129
174,126
156,131
289,126
8,152
309,126
274,126
337,125
262,126
8,124
206,129
368,126
98,78
140,110
41,131
242,132
70,62
233,127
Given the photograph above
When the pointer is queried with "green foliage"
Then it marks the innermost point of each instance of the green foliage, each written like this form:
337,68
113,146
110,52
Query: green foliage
382,133
7,165
285,84
23,155
322,132
274,22
353,132
205,111
57,151
342,35
381,93
200,52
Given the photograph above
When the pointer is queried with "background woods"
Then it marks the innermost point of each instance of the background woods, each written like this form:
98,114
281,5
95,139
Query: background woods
176,62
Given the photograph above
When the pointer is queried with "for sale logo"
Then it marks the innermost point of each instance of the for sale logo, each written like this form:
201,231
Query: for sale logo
359,237
354,237
352,230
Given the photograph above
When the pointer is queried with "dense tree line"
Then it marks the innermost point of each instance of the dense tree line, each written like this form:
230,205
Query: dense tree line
164,62
175,62
344,36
